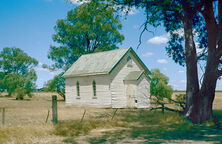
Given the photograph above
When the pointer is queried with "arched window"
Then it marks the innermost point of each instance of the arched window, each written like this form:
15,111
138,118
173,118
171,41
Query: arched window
77,88
128,58
94,87
129,62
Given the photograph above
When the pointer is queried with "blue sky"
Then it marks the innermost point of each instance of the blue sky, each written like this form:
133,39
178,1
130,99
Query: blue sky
28,24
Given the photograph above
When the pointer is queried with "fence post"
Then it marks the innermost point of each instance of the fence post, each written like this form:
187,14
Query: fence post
3,115
46,120
83,115
54,109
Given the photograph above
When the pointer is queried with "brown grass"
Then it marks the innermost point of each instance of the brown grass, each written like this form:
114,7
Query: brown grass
25,120
31,133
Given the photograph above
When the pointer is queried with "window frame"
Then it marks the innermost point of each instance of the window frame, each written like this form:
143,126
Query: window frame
78,89
94,88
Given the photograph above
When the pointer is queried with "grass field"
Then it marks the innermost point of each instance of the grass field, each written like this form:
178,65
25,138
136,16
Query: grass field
25,122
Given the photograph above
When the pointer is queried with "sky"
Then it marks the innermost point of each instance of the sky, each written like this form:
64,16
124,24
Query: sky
28,25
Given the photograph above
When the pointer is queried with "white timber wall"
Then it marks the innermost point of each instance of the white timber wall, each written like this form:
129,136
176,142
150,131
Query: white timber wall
86,98
117,76
143,92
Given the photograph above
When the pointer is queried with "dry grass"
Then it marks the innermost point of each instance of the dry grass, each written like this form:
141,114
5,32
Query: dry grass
25,123
31,133
217,101
35,110
25,120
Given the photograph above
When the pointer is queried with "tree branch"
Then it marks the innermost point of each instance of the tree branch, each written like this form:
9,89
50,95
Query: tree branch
166,108
219,43
200,56
198,6
144,25
181,103
219,73
211,24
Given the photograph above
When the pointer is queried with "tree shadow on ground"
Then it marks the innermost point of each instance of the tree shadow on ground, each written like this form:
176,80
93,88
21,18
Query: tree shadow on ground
155,127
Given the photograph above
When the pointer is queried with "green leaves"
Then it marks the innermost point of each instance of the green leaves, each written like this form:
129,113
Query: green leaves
17,75
15,60
91,27
57,84
159,87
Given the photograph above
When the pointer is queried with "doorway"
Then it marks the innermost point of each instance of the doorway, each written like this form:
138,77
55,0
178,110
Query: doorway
130,95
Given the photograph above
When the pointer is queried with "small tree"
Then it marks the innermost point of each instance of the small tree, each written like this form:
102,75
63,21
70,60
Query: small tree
160,91
16,72
57,84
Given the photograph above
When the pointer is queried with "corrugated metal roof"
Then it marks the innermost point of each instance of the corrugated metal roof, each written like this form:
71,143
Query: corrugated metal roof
134,75
96,63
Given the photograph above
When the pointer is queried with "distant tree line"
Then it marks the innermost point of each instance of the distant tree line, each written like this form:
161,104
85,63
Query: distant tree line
17,74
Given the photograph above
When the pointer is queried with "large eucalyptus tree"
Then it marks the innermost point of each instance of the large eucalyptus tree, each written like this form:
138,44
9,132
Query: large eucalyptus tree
201,21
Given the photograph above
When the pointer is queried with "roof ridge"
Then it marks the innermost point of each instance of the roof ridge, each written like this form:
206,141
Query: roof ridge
105,51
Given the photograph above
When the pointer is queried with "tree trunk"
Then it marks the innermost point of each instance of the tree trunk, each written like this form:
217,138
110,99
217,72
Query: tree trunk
203,102
192,87
199,102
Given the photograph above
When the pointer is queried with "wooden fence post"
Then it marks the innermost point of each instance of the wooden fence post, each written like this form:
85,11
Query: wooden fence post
46,120
3,115
83,115
54,109
114,114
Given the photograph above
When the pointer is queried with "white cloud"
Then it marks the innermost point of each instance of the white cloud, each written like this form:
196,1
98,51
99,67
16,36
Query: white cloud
148,54
40,64
40,69
126,10
79,2
159,39
198,48
132,11
181,71
165,69
180,32
136,26
162,61
175,86
182,81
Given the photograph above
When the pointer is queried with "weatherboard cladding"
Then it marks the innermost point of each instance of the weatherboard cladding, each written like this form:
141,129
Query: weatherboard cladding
117,76
110,70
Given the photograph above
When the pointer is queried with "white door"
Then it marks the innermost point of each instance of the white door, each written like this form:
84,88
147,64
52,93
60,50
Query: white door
130,95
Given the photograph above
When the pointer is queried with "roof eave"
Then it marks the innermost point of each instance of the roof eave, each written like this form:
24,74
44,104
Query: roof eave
84,75
137,57
119,60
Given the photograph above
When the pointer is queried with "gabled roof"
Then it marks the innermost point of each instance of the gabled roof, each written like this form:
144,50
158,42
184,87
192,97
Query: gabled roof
99,63
134,75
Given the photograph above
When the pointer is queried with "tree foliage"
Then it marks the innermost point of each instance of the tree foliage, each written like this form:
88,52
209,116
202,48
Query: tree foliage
57,84
159,87
16,72
161,92
90,27
201,23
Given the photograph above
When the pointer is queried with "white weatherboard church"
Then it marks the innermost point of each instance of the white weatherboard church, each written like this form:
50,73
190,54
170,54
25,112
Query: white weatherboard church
115,78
